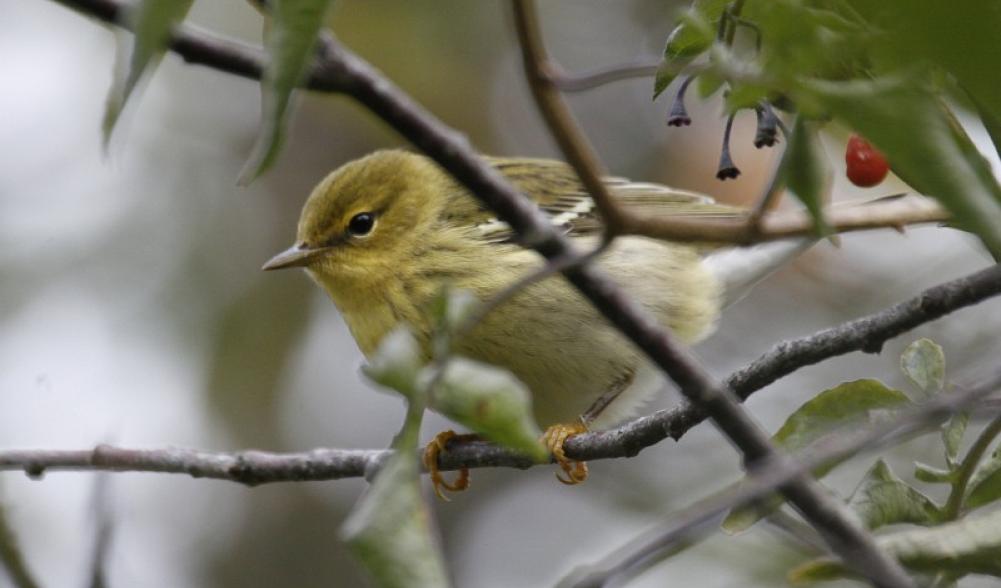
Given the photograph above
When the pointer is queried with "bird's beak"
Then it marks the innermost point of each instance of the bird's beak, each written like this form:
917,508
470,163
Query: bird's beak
294,256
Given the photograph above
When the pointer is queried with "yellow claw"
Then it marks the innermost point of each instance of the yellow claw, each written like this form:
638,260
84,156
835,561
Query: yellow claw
430,459
554,438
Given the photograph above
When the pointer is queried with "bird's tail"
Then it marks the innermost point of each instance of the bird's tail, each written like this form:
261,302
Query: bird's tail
738,269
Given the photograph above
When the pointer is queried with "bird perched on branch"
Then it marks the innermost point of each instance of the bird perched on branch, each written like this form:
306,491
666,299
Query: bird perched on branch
383,234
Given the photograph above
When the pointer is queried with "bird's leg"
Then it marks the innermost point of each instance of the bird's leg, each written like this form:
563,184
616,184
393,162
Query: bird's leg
430,459
556,435
553,439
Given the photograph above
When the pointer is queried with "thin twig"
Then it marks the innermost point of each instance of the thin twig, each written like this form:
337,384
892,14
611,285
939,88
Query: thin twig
578,82
551,268
954,504
574,145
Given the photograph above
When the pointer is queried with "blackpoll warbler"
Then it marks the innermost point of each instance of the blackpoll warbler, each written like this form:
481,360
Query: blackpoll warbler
383,234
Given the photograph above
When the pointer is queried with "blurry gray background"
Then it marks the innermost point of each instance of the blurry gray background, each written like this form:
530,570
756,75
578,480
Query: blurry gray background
133,311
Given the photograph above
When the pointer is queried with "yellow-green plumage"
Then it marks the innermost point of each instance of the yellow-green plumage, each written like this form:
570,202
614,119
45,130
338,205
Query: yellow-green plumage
429,231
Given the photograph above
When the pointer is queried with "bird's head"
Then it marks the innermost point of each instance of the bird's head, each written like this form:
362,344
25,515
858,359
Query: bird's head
366,218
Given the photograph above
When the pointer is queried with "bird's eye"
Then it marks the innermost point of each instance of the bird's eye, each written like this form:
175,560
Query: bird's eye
361,224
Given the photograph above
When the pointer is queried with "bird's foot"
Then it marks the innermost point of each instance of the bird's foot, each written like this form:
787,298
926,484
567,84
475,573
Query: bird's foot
430,458
554,438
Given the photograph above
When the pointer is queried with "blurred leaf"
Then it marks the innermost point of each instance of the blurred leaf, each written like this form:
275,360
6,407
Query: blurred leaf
817,570
801,39
452,306
924,144
952,436
859,401
743,96
490,401
933,475
924,363
807,173
152,22
992,124
985,484
882,499
968,546
959,37
666,73
971,545
696,29
708,83
397,362
290,40
695,33
390,529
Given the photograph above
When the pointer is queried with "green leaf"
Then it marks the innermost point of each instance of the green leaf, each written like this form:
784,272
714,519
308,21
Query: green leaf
695,33
952,436
807,172
859,401
491,402
290,40
708,83
969,546
390,529
743,96
397,363
817,570
696,29
985,484
882,499
933,475
965,41
992,124
152,22
666,73
924,144
924,363
452,306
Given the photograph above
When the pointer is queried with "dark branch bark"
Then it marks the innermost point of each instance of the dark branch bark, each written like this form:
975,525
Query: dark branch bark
258,467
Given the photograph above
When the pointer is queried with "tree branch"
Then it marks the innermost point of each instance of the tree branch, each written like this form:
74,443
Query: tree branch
259,467
571,140
203,48
578,82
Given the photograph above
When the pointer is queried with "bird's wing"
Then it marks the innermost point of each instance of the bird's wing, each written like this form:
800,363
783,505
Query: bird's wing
554,186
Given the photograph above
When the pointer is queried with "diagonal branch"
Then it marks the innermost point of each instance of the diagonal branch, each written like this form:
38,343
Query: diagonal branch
856,547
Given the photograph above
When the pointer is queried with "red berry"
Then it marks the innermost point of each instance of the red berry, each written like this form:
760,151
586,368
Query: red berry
866,165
